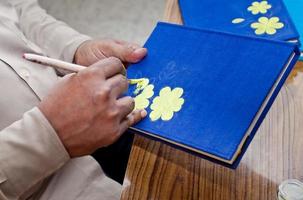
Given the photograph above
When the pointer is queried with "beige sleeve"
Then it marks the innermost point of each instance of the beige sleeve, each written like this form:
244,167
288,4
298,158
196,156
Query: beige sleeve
30,151
54,37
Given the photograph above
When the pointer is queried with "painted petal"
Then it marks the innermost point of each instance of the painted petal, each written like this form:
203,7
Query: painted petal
181,101
157,99
145,103
274,20
268,6
154,115
134,81
237,20
156,103
264,3
149,94
260,30
255,25
144,82
263,20
178,105
167,115
150,87
136,92
270,31
177,92
277,25
255,11
178,101
148,91
263,10
165,91
141,82
141,102
255,3
250,8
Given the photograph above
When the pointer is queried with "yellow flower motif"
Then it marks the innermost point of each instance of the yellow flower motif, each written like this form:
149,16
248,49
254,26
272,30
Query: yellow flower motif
168,102
141,84
237,20
141,101
259,7
267,25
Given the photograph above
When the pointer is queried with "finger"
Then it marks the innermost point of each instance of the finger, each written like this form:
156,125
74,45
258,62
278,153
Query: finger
108,67
122,42
127,52
118,85
126,105
132,119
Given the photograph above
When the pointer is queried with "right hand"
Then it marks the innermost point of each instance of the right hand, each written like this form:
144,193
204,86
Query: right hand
85,108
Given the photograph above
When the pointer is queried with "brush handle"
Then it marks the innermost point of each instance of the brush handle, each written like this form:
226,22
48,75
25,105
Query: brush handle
53,62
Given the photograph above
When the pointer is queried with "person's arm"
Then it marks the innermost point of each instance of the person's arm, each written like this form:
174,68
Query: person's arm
60,41
54,37
84,111
30,151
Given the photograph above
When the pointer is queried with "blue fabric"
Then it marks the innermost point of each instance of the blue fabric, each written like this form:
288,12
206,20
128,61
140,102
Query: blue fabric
218,15
295,9
225,78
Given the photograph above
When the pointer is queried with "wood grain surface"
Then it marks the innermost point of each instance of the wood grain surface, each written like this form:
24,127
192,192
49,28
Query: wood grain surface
158,171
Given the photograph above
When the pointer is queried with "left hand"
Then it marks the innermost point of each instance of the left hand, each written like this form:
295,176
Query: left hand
91,51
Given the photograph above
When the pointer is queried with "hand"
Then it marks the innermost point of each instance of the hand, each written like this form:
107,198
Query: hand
92,51
85,108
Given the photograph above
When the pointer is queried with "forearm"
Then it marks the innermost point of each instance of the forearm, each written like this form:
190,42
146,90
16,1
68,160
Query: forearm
30,152
54,37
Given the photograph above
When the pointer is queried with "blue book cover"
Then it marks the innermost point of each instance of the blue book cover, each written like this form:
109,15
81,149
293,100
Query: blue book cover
206,91
295,9
268,19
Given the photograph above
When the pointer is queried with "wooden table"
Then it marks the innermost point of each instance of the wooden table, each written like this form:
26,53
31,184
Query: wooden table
158,171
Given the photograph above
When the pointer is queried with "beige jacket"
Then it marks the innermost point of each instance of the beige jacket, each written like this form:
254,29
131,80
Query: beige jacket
33,162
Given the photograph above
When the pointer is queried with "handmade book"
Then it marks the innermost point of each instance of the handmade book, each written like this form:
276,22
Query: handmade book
295,8
268,19
207,92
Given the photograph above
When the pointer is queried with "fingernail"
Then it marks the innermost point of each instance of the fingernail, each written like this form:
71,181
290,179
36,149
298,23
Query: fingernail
143,113
140,51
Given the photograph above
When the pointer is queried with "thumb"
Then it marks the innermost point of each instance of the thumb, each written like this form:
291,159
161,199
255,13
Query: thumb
127,52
